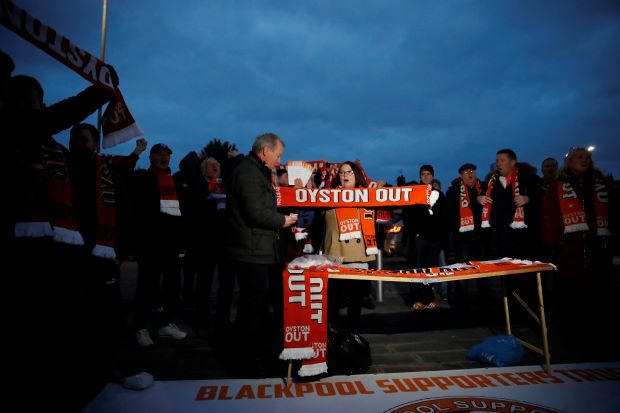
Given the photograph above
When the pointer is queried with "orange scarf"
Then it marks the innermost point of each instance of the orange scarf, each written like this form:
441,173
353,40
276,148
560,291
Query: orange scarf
518,220
217,192
106,209
350,227
49,211
467,216
168,201
573,215
305,320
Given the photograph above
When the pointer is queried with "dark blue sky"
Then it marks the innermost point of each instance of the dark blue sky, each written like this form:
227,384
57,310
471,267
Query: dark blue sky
395,84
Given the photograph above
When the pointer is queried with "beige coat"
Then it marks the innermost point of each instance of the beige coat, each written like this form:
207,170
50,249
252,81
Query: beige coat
352,251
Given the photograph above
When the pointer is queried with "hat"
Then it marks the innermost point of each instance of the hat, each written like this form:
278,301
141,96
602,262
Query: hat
467,166
158,147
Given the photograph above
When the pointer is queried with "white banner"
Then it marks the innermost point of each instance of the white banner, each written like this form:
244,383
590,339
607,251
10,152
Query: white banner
592,387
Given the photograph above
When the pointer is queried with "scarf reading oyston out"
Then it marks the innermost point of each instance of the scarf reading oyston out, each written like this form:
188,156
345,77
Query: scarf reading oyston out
46,210
118,124
574,217
518,220
354,223
466,222
305,320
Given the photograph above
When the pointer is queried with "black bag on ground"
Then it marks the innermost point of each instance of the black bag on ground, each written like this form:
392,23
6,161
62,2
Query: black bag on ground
347,353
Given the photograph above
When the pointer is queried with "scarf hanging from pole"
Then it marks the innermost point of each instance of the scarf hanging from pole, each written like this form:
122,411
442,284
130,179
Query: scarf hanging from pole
118,124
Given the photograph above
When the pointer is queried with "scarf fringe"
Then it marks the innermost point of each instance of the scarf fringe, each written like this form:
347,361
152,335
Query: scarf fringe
350,235
518,225
485,224
308,248
577,228
603,232
122,135
68,236
302,353
301,235
372,251
312,369
170,207
103,251
466,228
33,230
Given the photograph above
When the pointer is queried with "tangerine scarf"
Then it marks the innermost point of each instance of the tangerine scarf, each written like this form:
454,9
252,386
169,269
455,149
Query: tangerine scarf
467,216
573,215
351,226
518,220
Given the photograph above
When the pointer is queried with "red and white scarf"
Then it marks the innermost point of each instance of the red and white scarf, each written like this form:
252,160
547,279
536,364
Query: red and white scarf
305,320
118,124
168,201
573,215
518,220
217,192
466,214
48,211
105,238
355,223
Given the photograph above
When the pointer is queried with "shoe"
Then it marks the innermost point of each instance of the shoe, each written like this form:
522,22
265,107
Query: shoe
171,330
144,338
418,306
140,381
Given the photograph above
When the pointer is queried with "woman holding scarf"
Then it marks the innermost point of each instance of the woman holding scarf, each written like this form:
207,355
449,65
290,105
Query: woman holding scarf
349,233
577,225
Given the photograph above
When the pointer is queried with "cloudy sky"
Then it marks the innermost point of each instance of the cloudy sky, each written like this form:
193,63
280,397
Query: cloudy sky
395,84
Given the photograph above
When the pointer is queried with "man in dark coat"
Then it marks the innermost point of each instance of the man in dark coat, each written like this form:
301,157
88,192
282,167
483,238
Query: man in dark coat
251,242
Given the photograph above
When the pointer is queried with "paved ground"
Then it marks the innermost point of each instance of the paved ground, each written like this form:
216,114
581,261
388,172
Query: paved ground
400,340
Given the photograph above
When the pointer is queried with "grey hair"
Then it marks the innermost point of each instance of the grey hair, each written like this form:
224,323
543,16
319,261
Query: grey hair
205,162
266,140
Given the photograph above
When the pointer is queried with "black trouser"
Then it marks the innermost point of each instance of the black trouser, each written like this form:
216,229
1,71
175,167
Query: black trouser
471,250
253,320
424,253
159,284
351,292
226,285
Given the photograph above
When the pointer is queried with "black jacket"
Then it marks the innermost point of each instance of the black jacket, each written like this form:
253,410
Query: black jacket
452,211
252,216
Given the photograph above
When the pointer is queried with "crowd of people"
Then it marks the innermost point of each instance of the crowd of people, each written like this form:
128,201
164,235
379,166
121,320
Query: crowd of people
75,214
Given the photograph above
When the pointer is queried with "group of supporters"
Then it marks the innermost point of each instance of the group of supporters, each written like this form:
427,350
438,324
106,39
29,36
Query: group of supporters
72,215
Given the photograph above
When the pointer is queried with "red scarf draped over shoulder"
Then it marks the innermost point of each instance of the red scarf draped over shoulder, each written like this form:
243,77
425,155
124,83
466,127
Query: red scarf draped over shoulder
168,201
47,204
466,214
574,217
356,223
518,220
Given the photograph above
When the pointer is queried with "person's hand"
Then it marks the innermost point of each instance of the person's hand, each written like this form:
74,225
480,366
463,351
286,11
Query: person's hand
113,75
141,145
289,220
483,199
233,153
521,200
380,183
298,183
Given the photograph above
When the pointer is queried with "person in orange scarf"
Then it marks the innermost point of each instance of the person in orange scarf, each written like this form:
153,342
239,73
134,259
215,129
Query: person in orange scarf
578,224
159,247
349,233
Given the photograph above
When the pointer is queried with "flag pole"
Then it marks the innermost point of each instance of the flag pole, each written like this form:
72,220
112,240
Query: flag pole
104,25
